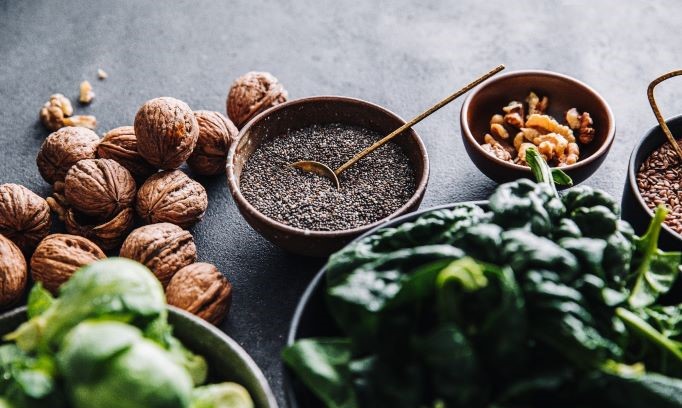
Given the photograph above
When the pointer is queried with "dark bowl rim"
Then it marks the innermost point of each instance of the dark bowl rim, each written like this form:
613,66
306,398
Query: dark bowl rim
422,178
469,137
319,276
632,176
223,337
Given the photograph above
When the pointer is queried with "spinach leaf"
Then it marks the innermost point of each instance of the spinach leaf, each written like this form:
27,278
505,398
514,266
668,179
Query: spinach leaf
323,366
524,204
654,271
39,300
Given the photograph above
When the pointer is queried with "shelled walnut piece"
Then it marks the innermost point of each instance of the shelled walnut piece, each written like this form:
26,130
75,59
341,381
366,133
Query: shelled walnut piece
251,94
171,196
555,142
24,216
13,273
201,289
64,148
56,114
216,133
58,256
163,248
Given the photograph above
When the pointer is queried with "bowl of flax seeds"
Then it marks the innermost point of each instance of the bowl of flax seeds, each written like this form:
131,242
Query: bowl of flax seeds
655,178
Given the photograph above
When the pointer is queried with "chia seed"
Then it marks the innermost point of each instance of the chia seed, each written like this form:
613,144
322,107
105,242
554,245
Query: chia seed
659,180
372,189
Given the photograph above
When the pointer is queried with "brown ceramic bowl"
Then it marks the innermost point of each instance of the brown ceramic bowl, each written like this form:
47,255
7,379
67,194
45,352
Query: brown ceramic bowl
563,92
304,112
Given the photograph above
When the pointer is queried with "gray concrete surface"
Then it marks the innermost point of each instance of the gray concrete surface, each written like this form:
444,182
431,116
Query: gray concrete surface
400,54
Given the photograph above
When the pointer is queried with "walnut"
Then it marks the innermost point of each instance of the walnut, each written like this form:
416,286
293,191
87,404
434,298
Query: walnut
514,114
24,216
586,132
216,133
536,105
107,235
571,157
58,256
64,148
549,124
201,289
166,131
495,149
13,273
251,94
102,74
498,130
54,111
171,196
573,118
99,187
164,248
86,93
120,144
497,119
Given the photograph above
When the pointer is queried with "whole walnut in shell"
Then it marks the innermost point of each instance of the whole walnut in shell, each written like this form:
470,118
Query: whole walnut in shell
99,187
216,133
60,255
163,248
201,289
171,196
108,234
24,216
120,144
13,274
64,148
166,132
251,94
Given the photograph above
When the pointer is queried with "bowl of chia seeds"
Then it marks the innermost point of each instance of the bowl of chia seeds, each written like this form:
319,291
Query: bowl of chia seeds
655,178
305,213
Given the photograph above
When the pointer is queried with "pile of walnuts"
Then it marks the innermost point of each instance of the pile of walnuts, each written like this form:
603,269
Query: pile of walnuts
103,187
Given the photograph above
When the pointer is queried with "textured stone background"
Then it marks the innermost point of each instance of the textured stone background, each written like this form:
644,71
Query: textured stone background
400,54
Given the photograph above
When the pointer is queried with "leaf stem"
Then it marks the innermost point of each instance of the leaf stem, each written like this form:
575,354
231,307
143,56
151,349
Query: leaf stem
644,329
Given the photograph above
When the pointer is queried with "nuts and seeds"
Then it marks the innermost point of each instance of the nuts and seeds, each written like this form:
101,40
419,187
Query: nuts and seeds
166,132
171,196
86,93
555,142
58,256
372,189
216,133
56,113
24,216
64,148
659,180
13,272
251,94
201,289
120,144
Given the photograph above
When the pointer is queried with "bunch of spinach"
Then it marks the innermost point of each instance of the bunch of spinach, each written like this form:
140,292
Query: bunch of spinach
536,301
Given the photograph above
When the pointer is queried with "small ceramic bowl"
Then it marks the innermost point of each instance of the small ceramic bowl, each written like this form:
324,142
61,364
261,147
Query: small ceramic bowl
563,92
635,209
304,112
227,361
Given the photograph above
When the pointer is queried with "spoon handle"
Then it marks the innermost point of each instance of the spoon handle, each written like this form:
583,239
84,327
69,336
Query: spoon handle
416,120
657,112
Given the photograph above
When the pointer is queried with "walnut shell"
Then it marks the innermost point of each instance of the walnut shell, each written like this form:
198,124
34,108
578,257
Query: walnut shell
166,131
24,216
60,255
120,144
163,248
99,187
13,273
201,289
171,196
64,148
216,133
108,234
251,94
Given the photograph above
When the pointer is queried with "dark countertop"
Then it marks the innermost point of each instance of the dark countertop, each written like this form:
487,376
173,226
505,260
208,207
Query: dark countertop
400,54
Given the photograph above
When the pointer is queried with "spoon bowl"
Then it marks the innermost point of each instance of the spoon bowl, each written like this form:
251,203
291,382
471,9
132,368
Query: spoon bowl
318,168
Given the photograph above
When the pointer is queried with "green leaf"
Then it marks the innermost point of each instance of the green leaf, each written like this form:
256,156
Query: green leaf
39,300
561,178
647,332
322,365
656,271
543,173
223,395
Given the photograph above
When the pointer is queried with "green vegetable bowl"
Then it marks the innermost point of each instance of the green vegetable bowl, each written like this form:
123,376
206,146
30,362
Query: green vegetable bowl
312,319
226,359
